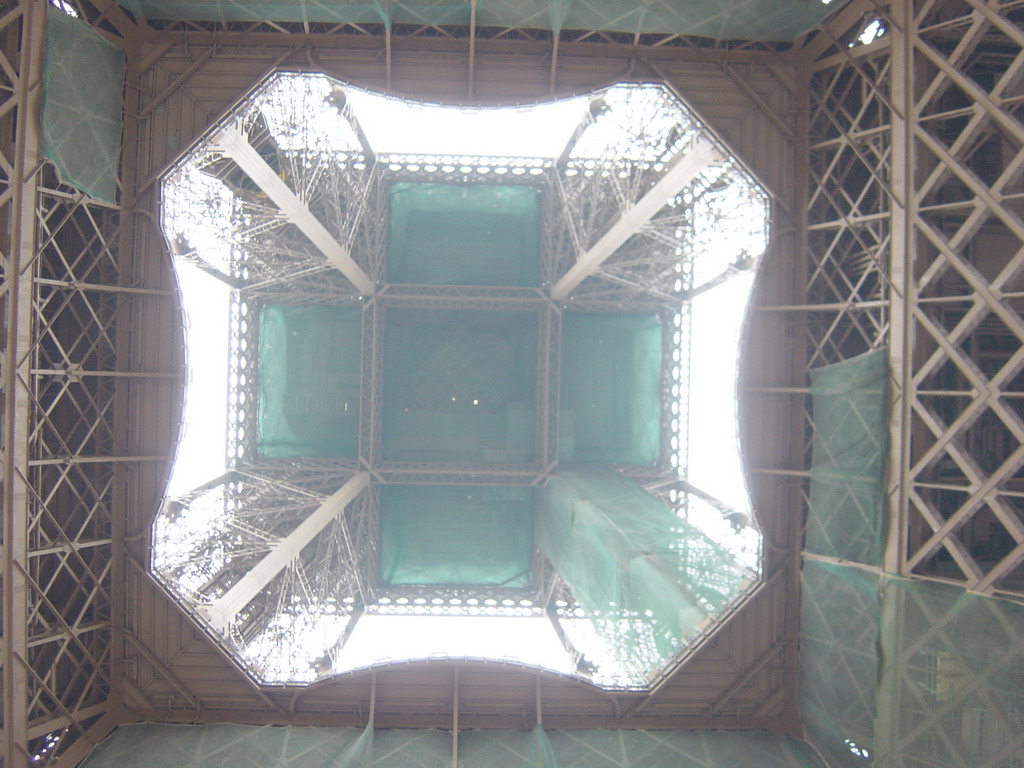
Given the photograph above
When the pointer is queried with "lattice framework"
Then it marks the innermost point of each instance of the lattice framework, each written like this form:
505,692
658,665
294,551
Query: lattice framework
141,293
916,241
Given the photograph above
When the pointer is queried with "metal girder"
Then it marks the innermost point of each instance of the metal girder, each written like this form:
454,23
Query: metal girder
222,611
19,229
921,248
901,275
235,145
694,159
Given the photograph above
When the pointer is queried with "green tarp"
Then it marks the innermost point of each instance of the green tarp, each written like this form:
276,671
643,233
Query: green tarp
82,92
909,673
231,746
781,20
851,439
647,579
839,612
309,381
459,535
463,234
459,386
610,392
951,689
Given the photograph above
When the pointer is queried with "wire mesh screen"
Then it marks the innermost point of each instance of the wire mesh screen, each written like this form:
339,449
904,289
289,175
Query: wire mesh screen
459,386
839,614
724,19
952,684
82,87
679,749
309,377
610,389
230,746
848,458
464,234
459,535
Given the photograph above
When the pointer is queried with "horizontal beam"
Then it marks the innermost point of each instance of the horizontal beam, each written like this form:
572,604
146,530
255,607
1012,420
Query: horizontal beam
698,156
222,611
236,146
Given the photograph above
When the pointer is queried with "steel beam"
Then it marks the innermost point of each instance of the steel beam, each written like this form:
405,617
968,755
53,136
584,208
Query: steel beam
223,610
901,277
698,156
20,225
236,146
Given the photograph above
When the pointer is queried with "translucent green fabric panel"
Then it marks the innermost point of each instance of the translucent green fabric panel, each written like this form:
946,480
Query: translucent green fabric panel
645,578
951,691
610,391
506,749
82,90
230,746
309,381
233,746
463,535
839,615
781,20
851,441
679,749
459,386
463,234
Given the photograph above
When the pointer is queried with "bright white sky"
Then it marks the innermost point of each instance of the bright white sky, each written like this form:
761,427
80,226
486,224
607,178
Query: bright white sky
378,639
539,131
202,450
466,132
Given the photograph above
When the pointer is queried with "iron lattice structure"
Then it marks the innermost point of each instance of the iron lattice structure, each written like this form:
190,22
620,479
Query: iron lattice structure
272,254
916,244
880,158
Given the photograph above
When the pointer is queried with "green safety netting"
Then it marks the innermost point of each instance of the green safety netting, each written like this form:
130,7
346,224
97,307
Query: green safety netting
645,578
839,614
150,745
82,90
610,391
506,749
951,690
851,439
463,234
459,386
309,381
909,673
461,535
628,749
229,746
781,20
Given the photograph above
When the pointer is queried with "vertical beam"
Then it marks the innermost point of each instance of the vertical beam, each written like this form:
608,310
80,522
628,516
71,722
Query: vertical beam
472,48
455,717
127,312
224,609
698,156
901,276
235,145
21,227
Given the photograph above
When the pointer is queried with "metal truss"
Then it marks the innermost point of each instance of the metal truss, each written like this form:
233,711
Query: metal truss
116,458
961,489
916,241
386,35
62,299
319,572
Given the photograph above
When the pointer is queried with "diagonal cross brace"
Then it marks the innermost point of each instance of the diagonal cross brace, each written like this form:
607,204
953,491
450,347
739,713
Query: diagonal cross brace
235,145
698,156
222,611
